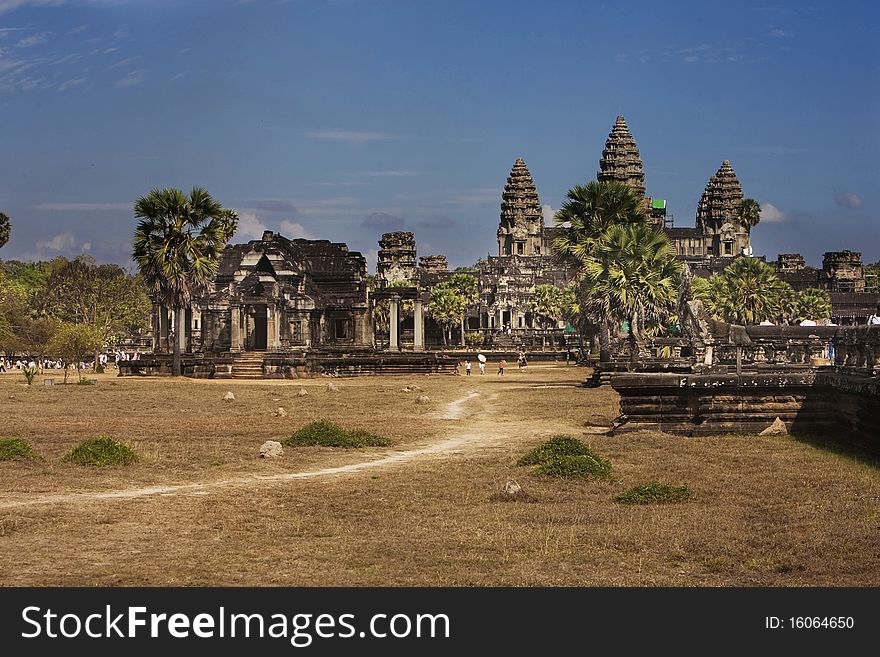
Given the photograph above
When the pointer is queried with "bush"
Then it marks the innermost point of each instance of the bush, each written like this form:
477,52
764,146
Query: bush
474,338
101,451
30,373
327,434
575,467
655,493
557,446
15,449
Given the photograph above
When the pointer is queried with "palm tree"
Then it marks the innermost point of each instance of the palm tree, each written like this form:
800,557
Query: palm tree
177,246
813,304
547,302
748,292
446,306
632,275
750,212
587,213
5,229
468,288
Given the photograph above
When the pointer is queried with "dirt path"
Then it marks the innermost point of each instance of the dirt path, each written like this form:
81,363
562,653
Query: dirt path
476,436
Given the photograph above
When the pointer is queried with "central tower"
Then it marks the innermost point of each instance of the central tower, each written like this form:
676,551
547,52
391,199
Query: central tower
521,231
621,160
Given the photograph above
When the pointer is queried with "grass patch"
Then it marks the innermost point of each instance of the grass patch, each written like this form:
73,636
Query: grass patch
16,449
557,446
327,434
101,451
655,493
575,467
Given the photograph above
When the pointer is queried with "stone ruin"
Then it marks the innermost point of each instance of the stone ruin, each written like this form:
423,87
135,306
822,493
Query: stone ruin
620,158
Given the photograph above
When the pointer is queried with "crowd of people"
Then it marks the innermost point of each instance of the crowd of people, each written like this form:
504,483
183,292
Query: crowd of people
44,363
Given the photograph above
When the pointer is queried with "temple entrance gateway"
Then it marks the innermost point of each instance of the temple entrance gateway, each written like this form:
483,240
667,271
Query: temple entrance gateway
258,338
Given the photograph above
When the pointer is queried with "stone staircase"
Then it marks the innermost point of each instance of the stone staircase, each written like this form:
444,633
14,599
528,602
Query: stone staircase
248,365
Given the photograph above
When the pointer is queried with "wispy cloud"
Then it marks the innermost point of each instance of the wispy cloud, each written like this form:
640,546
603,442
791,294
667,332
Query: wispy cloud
771,214
350,135
9,5
275,205
31,41
250,227
776,33
73,207
392,174
61,242
383,221
293,230
78,29
132,79
848,200
72,82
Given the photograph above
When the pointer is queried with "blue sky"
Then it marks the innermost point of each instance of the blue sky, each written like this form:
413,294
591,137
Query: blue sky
345,119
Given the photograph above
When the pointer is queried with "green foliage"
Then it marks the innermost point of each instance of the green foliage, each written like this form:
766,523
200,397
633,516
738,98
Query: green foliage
750,212
327,434
177,245
16,449
101,451
74,343
655,493
30,373
474,338
559,445
748,292
872,278
814,304
447,306
567,457
548,303
575,467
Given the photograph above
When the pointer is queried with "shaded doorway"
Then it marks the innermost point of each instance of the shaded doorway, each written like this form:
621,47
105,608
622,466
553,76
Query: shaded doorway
259,338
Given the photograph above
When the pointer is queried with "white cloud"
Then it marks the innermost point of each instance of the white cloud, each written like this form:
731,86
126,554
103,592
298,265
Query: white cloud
73,207
61,242
28,42
292,230
250,227
73,82
350,135
548,212
776,33
9,5
87,246
848,200
771,214
132,79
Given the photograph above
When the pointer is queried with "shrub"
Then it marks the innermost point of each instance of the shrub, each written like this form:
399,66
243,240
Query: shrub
327,434
474,338
101,451
557,446
15,449
575,467
30,373
655,493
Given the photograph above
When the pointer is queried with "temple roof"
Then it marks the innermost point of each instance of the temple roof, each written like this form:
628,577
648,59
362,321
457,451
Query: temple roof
620,159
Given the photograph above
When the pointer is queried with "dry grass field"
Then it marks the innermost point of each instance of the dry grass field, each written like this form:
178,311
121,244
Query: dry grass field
201,508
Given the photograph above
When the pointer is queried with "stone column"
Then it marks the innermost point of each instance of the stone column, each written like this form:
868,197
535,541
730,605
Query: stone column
155,321
164,344
500,317
393,324
418,326
180,328
271,333
276,343
234,328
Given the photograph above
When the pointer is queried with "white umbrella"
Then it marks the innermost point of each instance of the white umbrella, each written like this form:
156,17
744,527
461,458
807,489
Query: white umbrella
481,358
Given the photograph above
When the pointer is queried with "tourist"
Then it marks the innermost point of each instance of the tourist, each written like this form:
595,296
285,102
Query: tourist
482,364
501,365
521,361
467,367
875,318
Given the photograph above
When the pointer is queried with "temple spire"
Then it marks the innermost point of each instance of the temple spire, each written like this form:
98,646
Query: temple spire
521,230
620,159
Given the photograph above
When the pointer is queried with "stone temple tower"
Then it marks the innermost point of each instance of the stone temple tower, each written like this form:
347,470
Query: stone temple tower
718,217
521,230
621,160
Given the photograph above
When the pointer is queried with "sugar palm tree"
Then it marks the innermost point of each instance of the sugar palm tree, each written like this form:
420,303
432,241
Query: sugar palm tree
5,228
467,287
748,292
547,303
632,275
587,213
177,246
750,212
446,306
814,304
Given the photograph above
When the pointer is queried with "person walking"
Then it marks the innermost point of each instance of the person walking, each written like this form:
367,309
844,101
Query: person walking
501,365
482,365
467,367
